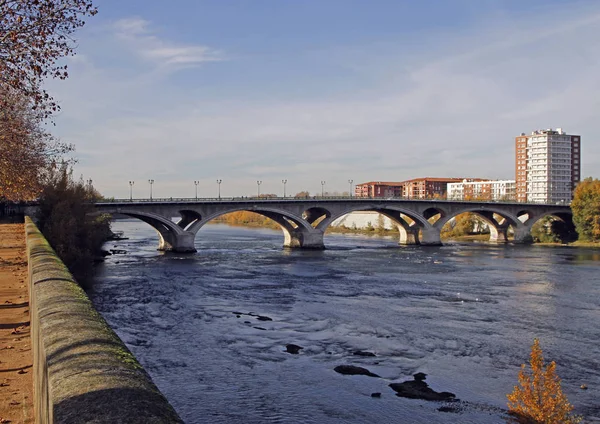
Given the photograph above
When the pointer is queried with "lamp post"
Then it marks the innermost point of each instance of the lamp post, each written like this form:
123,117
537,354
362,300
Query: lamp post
150,182
89,184
196,184
322,188
258,183
131,183
219,184
350,182
284,183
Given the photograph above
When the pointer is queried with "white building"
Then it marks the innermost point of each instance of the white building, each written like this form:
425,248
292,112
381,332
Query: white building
547,166
493,190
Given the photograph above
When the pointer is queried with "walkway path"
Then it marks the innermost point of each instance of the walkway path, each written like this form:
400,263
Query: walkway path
16,386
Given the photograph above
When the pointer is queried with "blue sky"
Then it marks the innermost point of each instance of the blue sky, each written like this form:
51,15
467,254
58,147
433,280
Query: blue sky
323,90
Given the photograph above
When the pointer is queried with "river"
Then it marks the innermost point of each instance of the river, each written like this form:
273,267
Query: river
464,314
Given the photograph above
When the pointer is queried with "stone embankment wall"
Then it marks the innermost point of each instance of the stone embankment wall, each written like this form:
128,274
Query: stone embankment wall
83,372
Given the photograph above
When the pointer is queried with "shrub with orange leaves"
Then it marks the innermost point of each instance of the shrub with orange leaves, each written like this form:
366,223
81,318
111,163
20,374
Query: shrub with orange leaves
539,398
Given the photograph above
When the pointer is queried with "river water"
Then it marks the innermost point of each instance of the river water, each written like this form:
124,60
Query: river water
464,314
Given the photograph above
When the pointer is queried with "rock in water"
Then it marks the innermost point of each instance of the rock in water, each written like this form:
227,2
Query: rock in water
418,389
353,370
363,353
420,376
263,318
293,349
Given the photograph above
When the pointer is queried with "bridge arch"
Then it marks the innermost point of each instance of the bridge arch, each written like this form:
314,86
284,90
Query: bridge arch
171,236
188,217
498,228
297,231
415,230
562,215
315,215
434,214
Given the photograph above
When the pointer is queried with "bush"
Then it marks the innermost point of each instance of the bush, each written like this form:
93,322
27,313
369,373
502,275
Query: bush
64,217
539,398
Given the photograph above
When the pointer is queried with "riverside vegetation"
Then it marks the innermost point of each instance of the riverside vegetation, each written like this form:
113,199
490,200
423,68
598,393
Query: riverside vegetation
66,219
465,226
36,37
539,399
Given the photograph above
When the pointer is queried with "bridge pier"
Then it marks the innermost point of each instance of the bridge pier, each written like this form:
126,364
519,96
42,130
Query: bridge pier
409,236
498,234
430,237
301,238
523,234
179,243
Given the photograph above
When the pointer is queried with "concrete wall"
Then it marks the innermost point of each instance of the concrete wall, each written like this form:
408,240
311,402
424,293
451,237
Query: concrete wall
83,372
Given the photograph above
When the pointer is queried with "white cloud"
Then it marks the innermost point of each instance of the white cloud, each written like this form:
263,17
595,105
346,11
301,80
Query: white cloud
138,35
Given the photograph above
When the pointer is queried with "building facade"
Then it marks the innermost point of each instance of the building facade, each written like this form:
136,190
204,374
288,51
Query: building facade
418,188
378,189
427,188
493,190
547,165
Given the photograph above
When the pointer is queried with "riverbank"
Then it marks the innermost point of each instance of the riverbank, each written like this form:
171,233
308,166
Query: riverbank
16,384
587,244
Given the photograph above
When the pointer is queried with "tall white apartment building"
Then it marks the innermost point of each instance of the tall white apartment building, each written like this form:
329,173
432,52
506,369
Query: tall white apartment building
548,166
494,190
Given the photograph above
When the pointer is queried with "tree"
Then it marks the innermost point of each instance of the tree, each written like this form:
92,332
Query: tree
34,36
586,209
302,194
65,217
553,230
539,398
27,150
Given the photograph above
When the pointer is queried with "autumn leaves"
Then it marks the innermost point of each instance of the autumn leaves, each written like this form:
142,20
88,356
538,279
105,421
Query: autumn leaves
34,37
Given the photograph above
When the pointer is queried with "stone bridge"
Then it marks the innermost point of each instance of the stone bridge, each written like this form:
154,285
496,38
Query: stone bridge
304,221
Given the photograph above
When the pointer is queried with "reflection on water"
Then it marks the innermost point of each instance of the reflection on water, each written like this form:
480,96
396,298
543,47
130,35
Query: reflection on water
464,314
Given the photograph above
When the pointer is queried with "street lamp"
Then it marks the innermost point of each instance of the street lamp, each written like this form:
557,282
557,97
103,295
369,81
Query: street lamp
284,183
131,183
350,182
196,184
219,184
258,183
89,182
322,188
151,182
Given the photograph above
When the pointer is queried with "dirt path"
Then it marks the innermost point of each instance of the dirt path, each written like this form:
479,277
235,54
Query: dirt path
16,385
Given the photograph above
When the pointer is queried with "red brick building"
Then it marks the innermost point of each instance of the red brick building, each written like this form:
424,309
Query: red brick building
418,188
378,189
427,188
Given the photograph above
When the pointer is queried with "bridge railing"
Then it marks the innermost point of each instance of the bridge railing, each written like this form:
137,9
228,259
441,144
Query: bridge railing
304,198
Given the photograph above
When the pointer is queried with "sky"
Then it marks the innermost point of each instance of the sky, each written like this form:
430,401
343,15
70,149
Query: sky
322,90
